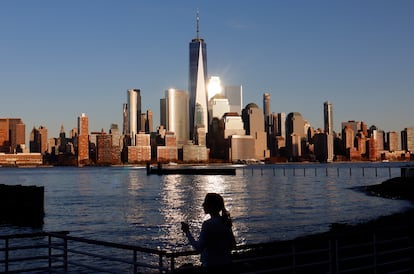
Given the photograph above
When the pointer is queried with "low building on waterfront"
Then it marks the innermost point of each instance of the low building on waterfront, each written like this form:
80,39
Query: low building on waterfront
21,159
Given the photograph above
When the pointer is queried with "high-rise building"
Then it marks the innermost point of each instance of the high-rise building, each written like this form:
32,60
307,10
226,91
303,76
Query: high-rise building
163,115
407,139
348,137
218,106
12,135
279,124
235,96
197,83
125,128
116,137
392,141
328,126
267,113
295,132
354,125
38,140
233,125
148,122
328,117
103,149
176,110
380,140
83,139
214,87
253,119
134,113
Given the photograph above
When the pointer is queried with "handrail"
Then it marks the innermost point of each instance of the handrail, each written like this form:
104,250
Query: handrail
333,253
109,244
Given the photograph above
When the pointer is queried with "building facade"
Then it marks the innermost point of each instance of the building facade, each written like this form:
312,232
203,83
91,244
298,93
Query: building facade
197,83
83,139
235,96
407,141
38,140
134,113
295,132
177,116
328,127
12,135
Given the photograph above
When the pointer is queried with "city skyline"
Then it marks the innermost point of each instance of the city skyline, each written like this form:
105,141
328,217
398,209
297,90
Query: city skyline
356,55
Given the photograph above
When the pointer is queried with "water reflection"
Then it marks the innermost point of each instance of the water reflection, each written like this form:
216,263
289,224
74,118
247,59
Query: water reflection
126,205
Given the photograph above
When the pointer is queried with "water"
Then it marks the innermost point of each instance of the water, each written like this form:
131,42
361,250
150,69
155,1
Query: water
123,204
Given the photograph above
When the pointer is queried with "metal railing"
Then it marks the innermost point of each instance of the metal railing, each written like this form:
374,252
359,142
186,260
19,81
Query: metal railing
53,251
351,252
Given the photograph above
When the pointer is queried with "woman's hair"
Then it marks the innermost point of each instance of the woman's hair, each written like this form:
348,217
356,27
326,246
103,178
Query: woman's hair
216,204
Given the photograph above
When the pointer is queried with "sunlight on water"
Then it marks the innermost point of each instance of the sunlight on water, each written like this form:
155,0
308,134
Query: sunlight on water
266,203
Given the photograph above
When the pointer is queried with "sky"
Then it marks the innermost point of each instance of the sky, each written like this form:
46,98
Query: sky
59,59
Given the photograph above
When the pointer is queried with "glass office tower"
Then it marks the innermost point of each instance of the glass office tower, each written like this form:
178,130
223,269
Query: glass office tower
197,81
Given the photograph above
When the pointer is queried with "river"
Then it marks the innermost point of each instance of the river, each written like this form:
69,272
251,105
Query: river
266,202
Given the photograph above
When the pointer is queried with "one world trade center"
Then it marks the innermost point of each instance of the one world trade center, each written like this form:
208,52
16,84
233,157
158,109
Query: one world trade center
197,84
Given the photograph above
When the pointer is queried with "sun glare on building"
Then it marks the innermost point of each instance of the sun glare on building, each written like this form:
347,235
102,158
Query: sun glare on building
214,87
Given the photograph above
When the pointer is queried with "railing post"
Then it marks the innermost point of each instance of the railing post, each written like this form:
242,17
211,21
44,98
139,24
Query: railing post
333,245
65,254
6,256
160,262
135,262
374,239
49,243
172,264
336,256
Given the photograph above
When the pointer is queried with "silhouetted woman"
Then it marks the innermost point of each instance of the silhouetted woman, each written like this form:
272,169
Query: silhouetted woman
216,238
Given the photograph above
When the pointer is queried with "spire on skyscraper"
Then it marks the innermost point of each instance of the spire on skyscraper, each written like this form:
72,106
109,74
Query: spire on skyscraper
198,24
197,77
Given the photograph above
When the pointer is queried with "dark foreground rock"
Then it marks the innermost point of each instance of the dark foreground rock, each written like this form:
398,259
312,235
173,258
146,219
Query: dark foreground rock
21,205
395,188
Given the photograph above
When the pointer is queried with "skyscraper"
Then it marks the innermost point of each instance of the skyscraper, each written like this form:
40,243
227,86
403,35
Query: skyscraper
235,96
134,113
125,128
253,119
38,140
12,135
295,132
176,104
407,141
328,117
328,124
83,139
197,83
267,113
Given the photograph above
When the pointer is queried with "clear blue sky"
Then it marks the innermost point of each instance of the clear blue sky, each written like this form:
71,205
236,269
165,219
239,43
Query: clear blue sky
61,58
